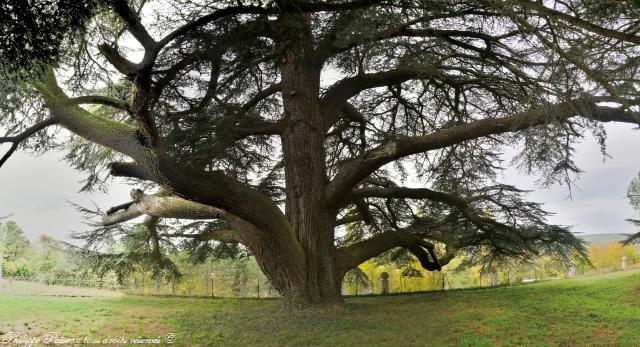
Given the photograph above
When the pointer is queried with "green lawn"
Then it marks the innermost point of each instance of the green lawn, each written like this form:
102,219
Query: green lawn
599,311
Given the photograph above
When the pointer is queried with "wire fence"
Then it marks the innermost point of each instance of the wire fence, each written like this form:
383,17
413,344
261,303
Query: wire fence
245,285
253,284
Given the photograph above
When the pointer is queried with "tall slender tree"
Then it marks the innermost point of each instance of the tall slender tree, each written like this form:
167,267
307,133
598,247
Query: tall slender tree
277,123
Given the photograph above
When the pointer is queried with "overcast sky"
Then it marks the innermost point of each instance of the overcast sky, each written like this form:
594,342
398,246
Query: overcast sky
598,203
36,190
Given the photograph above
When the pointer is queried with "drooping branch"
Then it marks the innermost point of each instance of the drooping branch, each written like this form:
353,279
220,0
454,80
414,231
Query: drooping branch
17,139
633,238
353,255
151,223
466,207
359,168
213,55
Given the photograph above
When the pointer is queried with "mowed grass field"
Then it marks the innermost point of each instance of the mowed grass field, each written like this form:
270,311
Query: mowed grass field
601,310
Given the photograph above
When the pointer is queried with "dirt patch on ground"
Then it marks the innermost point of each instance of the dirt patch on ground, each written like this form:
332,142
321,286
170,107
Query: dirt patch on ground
634,296
41,289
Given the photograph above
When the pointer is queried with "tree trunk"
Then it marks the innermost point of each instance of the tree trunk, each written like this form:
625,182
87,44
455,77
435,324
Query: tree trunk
305,175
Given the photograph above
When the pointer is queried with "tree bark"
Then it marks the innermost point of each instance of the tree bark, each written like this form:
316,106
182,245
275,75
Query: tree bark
305,171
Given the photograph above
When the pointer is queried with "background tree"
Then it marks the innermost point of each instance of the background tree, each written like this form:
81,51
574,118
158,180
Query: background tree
609,256
633,194
14,242
13,246
280,122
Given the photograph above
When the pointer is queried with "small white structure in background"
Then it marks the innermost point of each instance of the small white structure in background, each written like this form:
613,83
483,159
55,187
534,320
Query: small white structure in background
571,270
384,283
492,272
494,277
623,262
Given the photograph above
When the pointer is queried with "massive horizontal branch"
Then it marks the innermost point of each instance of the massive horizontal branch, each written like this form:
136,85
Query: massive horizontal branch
107,132
209,188
129,170
222,235
352,256
335,99
357,169
101,100
163,206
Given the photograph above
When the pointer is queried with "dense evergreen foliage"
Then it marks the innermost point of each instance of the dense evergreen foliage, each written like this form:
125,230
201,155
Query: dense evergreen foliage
32,32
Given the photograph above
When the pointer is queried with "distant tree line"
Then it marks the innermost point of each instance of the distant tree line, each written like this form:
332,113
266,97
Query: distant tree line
237,274
22,258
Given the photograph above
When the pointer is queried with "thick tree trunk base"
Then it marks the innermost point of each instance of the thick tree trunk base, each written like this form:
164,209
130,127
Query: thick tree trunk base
306,300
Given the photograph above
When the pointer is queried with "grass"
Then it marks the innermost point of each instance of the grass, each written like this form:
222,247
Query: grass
591,311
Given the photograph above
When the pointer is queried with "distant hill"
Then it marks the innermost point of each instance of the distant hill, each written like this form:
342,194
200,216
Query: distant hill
602,239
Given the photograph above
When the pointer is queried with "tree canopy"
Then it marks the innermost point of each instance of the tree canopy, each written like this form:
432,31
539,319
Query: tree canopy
13,242
275,124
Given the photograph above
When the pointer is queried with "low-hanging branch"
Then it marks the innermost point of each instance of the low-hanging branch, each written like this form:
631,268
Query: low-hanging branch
522,235
160,205
353,255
